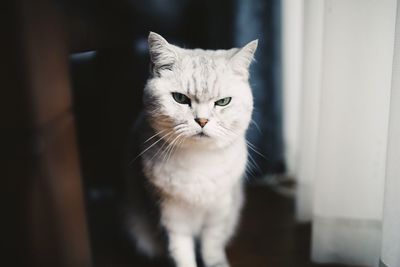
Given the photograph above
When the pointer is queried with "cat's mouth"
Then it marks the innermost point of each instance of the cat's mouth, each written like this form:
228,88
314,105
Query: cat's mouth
201,135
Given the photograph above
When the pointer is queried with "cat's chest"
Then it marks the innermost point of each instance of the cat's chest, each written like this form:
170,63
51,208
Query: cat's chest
199,176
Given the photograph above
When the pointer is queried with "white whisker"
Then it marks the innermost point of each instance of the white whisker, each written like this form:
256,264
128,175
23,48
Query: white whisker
254,148
169,147
144,151
174,146
255,124
160,150
156,134
254,163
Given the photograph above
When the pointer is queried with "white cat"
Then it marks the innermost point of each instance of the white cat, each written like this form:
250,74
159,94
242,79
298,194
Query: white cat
192,152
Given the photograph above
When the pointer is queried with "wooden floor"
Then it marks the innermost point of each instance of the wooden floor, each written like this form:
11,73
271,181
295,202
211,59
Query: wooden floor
267,237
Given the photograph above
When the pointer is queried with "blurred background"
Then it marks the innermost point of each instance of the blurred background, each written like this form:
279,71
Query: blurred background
324,184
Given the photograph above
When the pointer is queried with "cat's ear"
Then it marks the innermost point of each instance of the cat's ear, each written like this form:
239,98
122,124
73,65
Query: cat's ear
241,60
162,54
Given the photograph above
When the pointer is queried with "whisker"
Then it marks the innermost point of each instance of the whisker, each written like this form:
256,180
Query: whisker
144,151
160,150
255,124
253,148
251,163
225,130
180,126
156,134
167,144
248,172
174,146
228,130
254,163
169,147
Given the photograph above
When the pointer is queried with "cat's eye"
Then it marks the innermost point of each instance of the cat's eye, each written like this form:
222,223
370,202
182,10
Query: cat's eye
181,98
223,101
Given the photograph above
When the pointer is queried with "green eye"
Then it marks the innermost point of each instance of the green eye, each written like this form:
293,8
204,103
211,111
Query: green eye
223,102
181,98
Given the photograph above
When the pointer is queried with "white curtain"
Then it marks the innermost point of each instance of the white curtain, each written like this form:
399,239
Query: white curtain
390,251
292,21
308,122
349,131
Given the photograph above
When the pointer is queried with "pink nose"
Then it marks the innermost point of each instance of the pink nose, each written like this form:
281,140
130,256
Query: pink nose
202,122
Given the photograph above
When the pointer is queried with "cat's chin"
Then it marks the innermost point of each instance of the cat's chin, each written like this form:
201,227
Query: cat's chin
201,139
204,141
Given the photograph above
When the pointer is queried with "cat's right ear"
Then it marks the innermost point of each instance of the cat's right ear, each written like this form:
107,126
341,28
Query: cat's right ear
162,54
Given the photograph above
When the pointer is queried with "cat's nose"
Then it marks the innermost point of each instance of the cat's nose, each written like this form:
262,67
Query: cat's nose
201,121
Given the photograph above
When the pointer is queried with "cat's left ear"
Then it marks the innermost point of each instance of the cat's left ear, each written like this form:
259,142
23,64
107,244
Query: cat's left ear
162,54
242,59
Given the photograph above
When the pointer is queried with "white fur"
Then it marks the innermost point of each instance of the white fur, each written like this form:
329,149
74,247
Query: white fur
198,178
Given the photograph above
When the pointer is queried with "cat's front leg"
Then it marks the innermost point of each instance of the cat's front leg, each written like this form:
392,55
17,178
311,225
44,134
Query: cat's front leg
181,249
219,228
213,241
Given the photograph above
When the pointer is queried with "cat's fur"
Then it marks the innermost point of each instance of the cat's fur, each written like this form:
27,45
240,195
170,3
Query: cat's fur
190,186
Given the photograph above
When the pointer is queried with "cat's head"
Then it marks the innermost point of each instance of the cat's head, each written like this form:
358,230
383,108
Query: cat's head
199,96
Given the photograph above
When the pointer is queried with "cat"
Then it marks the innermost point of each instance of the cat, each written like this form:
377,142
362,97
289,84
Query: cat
185,184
